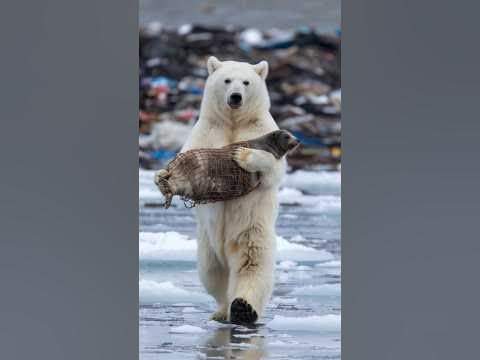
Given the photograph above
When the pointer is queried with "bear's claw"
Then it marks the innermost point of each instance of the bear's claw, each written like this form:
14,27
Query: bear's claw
241,312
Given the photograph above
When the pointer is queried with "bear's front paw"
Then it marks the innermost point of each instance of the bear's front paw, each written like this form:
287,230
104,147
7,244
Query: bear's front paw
220,315
242,155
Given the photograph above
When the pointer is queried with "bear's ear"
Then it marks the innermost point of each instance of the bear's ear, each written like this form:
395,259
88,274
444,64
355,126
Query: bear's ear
213,64
261,69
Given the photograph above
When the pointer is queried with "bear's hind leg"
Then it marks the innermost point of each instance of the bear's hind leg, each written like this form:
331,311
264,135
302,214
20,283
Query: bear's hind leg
251,263
213,276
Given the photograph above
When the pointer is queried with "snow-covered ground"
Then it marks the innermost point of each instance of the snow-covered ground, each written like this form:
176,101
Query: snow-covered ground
302,320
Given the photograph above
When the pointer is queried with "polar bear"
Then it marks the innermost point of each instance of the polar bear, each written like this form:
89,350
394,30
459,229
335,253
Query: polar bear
236,238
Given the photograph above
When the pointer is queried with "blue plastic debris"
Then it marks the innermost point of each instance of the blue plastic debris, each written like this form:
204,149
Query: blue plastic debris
162,154
163,81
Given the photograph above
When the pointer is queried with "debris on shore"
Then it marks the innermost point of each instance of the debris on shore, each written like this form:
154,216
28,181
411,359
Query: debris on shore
303,82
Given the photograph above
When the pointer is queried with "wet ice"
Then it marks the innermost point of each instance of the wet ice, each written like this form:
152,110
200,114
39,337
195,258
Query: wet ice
302,320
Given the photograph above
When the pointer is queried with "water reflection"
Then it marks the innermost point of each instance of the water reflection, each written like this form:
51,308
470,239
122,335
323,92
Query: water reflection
234,343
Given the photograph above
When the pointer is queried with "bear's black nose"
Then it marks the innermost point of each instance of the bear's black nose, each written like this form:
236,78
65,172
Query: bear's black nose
235,100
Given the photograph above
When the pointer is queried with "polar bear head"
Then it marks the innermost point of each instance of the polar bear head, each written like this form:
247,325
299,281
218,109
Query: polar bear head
236,89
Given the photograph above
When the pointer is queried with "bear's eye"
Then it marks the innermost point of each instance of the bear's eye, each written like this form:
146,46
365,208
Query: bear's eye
246,83
228,81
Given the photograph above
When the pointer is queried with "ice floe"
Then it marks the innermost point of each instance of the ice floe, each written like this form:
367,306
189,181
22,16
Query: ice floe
333,271
303,268
182,304
186,329
286,265
318,290
292,265
318,183
166,246
279,343
328,322
318,203
152,292
287,250
333,263
284,301
190,310
178,247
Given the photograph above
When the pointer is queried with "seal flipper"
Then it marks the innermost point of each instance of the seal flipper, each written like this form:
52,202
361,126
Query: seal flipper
162,183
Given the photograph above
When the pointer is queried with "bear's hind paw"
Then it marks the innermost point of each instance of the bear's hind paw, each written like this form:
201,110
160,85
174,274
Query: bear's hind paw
242,313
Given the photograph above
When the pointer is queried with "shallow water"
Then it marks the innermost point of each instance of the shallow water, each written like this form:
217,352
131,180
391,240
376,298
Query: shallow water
302,320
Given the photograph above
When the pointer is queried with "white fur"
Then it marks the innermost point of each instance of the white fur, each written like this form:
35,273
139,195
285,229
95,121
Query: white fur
236,238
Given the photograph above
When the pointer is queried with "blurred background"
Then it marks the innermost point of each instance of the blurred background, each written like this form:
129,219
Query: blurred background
301,41
301,44
324,15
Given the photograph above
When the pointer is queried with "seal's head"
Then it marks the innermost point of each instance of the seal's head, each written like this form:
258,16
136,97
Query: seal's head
282,141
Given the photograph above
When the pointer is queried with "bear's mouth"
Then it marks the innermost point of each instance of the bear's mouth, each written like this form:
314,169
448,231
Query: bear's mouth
234,106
